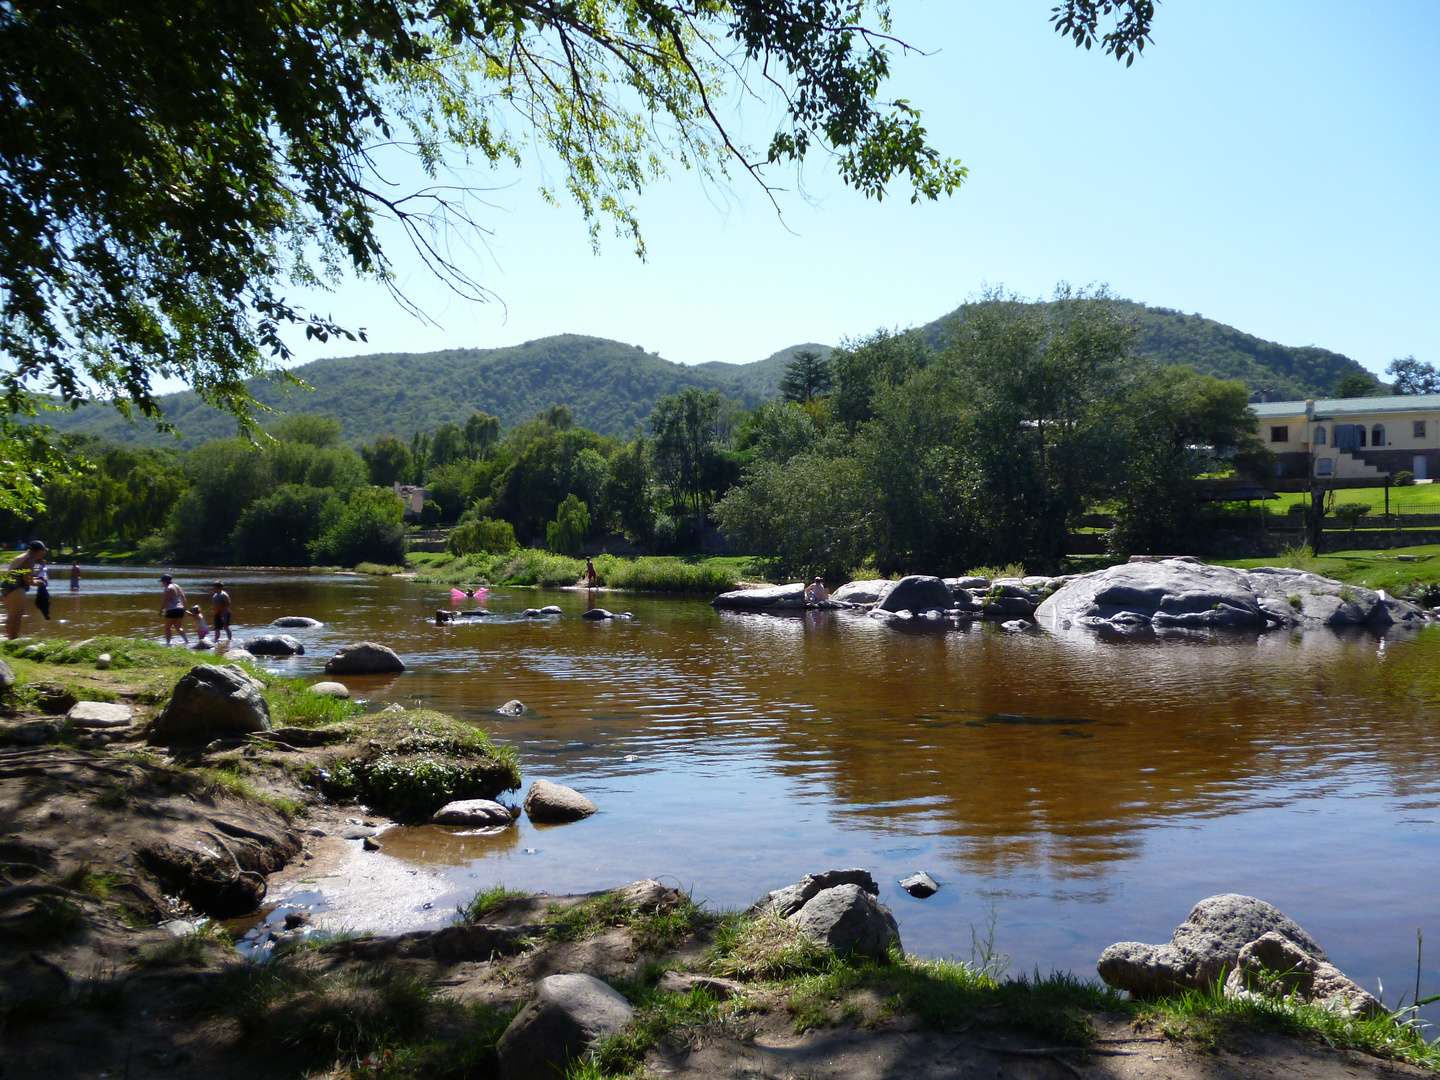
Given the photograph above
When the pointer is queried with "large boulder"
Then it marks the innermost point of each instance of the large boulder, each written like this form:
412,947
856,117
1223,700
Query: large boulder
1202,949
917,593
550,803
364,658
274,645
484,813
848,920
210,700
1274,966
860,592
570,1016
768,597
299,622
1188,593
785,902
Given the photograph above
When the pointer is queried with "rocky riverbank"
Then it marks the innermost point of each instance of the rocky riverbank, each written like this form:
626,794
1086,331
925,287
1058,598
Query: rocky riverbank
1179,594
150,804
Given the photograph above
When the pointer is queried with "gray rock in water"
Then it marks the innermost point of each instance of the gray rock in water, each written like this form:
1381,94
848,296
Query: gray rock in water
99,714
766,598
482,812
530,613
1017,626
210,700
330,689
236,653
1273,966
917,593
301,622
570,1017
548,803
596,614
920,885
792,898
860,592
356,832
551,609
848,920
1187,593
364,658
1008,607
1203,947
513,707
274,645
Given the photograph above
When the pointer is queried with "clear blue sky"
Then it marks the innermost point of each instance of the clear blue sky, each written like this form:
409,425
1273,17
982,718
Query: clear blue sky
1270,165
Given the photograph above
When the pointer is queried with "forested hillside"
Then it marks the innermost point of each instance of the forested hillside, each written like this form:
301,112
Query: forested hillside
611,387
1212,348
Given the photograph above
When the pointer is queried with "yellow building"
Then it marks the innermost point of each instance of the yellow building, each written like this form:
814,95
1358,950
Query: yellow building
1353,438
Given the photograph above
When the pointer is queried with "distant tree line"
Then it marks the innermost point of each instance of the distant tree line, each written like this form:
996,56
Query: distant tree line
890,452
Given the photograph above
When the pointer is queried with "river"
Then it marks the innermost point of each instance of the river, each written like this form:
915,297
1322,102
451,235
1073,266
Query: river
1074,791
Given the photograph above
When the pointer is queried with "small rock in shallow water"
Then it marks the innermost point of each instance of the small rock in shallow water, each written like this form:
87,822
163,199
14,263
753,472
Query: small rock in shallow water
513,707
921,885
369,844
551,609
549,802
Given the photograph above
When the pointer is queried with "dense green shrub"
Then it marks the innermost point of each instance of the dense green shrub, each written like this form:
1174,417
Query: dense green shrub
1403,478
484,534
566,534
278,529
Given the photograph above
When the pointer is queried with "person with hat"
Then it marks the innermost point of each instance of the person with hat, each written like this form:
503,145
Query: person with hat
817,591
172,609
220,612
16,582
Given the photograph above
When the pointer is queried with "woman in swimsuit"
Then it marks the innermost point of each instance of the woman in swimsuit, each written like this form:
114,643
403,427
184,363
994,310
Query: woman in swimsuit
172,609
14,584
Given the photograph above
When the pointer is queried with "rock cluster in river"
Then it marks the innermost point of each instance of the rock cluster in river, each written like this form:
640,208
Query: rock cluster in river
1251,945
1187,593
1180,593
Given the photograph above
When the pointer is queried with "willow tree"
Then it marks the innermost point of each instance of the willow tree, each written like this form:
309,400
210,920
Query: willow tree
172,170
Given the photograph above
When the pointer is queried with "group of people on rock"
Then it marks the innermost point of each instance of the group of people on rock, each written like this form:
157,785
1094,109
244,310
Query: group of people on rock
30,570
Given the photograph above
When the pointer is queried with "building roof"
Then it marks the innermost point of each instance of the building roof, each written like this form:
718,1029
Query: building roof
1326,407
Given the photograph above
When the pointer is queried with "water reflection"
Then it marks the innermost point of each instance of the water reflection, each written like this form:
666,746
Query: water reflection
1090,789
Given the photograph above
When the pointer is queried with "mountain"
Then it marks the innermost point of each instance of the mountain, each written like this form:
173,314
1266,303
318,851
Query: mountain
1284,372
612,386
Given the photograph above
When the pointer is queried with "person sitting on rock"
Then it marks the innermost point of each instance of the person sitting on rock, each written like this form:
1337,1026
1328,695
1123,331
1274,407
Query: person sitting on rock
817,591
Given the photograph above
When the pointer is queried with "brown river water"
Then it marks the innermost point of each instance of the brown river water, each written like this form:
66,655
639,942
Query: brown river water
1075,790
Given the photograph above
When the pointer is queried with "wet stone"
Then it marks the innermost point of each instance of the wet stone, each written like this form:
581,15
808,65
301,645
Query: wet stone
920,885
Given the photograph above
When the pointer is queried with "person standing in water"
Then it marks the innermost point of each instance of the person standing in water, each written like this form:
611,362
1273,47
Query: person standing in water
589,573
220,612
172,609
15,583
74,577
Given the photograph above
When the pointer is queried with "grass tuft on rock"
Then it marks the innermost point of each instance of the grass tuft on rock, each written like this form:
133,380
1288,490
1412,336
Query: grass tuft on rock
487,902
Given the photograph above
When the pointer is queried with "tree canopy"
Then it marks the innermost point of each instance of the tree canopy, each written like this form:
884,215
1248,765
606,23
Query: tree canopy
171,171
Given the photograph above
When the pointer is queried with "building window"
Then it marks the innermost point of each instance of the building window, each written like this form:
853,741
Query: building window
1419,429
1377,435
1359,434
1319,436
1324,467
1279,434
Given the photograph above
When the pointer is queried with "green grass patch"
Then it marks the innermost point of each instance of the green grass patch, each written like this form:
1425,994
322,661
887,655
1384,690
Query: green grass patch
1417,575
378,569
658,574
85,881
653,931
486,902
1211,1019
661,1017
293,704
228,780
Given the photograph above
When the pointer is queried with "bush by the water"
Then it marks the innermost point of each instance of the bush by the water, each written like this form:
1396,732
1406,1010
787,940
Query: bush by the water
530,567
484,535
